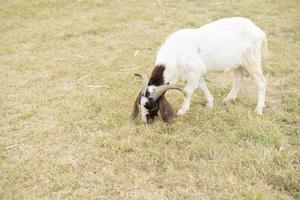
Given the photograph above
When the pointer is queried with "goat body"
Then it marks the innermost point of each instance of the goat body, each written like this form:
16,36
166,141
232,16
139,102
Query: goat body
229,44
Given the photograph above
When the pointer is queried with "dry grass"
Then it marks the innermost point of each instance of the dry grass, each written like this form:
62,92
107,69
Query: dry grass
59,139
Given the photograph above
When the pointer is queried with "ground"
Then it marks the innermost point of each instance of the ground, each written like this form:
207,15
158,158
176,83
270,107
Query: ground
64,140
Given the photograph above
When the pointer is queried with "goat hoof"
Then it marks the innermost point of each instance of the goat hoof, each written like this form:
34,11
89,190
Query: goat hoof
181,112
210,105
227,100
258,111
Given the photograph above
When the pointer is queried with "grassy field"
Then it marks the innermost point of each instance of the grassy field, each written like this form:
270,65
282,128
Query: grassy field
60,139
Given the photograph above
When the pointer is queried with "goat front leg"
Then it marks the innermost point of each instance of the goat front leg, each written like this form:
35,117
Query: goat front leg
192,84
208,95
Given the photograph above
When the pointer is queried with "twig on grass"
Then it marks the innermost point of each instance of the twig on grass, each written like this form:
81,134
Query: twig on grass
83,77
88,85
136,53
81,56
93,86
11,146
128,69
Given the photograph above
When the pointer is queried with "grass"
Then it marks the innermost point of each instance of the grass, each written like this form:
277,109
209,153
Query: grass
61,140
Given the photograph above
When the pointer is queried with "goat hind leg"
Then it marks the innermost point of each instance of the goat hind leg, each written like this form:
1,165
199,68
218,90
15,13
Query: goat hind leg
260,81
256,74
236,85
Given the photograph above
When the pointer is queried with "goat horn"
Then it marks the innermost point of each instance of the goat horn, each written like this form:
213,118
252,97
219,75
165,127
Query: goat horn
162,89
144,83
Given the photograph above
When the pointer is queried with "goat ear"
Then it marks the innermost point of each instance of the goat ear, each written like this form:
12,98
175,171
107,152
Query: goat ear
135,108
165,109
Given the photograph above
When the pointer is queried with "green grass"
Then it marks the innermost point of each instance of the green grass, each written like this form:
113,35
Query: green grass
59,139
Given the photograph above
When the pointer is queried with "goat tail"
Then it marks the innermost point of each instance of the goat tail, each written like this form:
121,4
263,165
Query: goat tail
264,48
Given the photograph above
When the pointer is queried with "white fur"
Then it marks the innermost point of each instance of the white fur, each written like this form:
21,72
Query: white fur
144,111
229,44
151,88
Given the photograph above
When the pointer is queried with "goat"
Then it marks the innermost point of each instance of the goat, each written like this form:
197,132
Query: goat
229,44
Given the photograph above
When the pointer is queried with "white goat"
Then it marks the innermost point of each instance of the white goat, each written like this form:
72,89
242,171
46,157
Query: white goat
230,44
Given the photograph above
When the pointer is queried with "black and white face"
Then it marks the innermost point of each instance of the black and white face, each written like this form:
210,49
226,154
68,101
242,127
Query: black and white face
152,99
149,107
